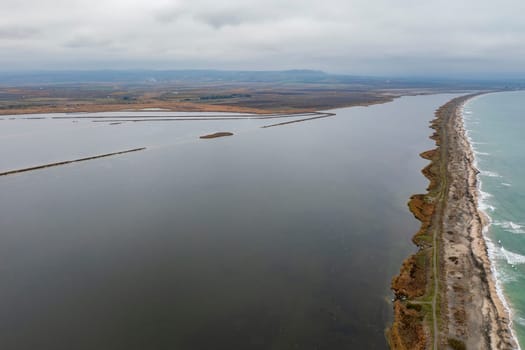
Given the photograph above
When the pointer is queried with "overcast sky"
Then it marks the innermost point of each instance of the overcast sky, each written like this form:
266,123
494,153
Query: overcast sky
401,37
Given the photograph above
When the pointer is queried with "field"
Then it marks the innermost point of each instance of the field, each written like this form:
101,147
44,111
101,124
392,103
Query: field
257,92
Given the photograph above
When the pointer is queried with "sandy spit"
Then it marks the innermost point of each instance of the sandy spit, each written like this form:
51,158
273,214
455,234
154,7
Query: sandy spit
471,309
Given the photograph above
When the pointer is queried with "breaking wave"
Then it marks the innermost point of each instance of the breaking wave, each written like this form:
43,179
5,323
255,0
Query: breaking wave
489,173
510,226
513,258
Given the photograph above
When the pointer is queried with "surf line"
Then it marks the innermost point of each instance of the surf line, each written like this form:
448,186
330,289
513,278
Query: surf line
11,172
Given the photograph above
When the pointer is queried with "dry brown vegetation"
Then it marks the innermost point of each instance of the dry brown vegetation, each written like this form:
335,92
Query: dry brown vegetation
226,97
408,332
413,284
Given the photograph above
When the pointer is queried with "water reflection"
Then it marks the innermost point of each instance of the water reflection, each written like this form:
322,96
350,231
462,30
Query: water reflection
280,238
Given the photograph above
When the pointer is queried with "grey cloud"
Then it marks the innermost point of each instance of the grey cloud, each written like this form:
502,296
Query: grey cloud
87,42
168,15
219,20
17,32
215,17
350,36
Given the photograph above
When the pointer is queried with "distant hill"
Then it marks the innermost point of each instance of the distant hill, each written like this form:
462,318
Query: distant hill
152,76
299,76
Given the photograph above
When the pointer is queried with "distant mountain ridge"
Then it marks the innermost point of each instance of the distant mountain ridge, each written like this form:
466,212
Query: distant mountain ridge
299,76
152,76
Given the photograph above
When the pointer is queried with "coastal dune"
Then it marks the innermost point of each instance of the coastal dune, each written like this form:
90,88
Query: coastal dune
446,295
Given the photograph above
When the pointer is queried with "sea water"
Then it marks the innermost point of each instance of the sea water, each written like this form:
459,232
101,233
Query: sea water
495,124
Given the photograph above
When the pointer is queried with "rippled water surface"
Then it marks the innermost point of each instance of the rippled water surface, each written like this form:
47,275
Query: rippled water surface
496,125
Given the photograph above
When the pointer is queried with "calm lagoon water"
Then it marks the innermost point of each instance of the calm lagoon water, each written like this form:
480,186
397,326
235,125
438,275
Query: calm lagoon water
279,238
496,125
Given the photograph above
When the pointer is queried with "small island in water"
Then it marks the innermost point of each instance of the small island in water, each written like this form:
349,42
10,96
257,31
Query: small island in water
216,135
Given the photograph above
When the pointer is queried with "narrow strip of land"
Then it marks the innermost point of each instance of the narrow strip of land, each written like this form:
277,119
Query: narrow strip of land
318,116
38,167
445,293
194,116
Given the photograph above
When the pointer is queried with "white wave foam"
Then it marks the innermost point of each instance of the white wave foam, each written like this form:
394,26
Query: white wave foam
506,184
520,320
482,153
488,173
496,253
486,207
507,276
483,197
513,258
491,248
500,277
510,226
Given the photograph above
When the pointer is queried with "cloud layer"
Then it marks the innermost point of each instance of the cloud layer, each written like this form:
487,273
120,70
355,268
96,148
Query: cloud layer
405,37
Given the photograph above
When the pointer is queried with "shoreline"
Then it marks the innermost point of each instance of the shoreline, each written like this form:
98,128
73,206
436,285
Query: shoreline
490,306
487,222
137,107
446,295
142,106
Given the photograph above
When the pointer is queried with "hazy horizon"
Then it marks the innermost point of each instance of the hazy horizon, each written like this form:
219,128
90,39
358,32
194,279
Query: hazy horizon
445,39
489,76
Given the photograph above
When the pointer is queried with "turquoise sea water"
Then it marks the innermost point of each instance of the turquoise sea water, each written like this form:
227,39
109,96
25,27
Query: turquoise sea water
495,124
